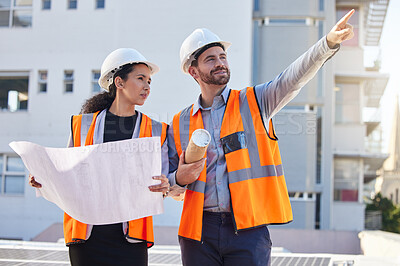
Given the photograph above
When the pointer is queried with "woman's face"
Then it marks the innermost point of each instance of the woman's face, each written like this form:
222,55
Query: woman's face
136,88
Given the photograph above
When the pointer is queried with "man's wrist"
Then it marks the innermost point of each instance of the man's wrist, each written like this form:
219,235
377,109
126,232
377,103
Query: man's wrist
176,180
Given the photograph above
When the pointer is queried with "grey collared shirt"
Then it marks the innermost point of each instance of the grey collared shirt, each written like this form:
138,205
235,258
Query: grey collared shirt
272,97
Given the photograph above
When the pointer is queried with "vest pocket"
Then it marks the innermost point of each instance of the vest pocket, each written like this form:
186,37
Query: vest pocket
234,142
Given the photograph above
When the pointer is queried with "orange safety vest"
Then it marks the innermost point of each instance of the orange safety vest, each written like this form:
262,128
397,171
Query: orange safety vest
255,175
140,229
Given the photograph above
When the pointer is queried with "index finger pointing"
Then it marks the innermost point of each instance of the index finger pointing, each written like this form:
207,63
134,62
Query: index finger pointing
345,18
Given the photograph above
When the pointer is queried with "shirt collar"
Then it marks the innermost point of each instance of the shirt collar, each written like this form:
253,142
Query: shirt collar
197,105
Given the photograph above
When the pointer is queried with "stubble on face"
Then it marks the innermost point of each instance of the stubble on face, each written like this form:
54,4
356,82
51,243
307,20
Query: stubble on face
211,79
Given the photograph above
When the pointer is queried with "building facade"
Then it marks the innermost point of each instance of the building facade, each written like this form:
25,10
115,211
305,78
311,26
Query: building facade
51,53
322,131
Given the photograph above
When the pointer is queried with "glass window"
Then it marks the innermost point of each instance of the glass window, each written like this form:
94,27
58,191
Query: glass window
14,184
23,2
68,81
95,78
72,4
13,92
256,6
347,103
5,3
14,164
15,13
4,18
42,81
354,21
100,3
12,175
287,21
321,5
22,18
346,179
1,164
46,4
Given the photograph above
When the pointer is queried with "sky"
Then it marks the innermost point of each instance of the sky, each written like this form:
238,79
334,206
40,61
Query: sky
390,56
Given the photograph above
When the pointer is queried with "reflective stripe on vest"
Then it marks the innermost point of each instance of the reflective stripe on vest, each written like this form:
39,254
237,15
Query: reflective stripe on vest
192,217
257,186
83,129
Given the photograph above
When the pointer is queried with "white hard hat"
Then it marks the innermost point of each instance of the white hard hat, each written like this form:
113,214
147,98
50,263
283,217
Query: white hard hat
118,58
198,39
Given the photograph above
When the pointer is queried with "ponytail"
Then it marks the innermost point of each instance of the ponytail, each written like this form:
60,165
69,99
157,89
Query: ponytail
99,101
105,99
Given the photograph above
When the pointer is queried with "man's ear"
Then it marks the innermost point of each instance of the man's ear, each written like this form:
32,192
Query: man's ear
119,82
193,72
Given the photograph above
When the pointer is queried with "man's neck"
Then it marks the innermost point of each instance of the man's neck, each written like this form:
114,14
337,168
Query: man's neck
208,92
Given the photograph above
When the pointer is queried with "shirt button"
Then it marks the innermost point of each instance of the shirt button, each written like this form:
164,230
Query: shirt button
219,182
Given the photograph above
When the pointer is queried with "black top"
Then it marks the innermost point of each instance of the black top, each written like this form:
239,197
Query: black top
107,244
118,127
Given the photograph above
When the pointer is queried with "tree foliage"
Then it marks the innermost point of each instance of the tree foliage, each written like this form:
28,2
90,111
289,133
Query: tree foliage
390,213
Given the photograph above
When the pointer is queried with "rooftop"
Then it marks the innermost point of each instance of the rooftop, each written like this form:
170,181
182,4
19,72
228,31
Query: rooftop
44,253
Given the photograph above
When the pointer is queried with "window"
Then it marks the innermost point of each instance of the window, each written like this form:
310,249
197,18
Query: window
256,5
347,103
346,179
95,85
68,81
287,21
13,91
354,21
42,81
46,4
100,4
15,13
319,144
321,5
72,4
12,173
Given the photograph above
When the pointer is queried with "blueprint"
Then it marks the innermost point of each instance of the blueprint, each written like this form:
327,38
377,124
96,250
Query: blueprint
98,184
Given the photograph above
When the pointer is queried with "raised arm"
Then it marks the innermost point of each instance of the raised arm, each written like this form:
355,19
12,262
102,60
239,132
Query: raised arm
273,96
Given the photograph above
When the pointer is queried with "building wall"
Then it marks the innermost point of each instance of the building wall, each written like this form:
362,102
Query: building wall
79,40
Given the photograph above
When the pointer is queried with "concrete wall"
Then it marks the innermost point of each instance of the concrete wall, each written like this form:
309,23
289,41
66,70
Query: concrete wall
349,138
303,214
296,132
316,241
348,216
289,8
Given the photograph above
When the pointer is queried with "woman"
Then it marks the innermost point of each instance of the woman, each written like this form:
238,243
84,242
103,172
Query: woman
111,116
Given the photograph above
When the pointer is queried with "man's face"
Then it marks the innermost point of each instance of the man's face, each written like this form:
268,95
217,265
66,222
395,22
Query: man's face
213,67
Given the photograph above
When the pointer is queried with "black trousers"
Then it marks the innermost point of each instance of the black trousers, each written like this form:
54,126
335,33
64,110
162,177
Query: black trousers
222,246
107,246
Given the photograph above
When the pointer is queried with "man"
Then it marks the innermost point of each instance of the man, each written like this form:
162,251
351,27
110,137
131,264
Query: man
238,188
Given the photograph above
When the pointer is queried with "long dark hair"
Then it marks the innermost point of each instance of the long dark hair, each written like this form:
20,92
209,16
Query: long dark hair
104,100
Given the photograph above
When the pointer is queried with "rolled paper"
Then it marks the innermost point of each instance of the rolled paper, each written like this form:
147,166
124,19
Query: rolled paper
195,150
197,146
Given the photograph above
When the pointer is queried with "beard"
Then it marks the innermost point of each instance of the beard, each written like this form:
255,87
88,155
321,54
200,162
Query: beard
209,78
